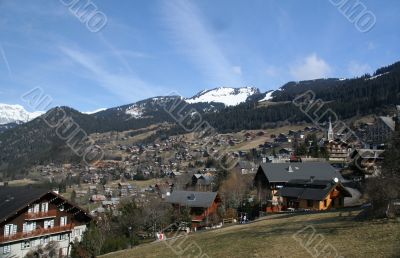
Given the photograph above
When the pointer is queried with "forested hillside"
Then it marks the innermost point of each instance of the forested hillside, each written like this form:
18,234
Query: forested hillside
35,140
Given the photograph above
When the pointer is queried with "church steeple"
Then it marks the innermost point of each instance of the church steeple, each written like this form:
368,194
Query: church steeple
331,135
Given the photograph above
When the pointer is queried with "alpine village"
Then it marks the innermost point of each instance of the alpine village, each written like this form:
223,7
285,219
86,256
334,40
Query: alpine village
310,168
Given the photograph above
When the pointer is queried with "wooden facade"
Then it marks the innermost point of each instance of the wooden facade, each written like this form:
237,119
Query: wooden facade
334,199
48,218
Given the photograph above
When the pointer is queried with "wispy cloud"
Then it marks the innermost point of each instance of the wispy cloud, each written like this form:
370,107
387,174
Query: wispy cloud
3,55
357,69
311,67
127,86
192,36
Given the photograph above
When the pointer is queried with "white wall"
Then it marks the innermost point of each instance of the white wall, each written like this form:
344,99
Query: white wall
17,249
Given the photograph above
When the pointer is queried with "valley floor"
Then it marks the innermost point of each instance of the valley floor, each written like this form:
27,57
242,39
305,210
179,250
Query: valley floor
285,235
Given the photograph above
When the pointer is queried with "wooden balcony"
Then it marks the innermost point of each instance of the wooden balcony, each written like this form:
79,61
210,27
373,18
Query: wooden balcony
38,232
41,215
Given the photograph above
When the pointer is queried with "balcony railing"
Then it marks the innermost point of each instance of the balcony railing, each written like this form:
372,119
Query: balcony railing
40,215
37,232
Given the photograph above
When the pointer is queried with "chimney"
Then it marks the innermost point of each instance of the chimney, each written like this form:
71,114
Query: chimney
312,179
290,170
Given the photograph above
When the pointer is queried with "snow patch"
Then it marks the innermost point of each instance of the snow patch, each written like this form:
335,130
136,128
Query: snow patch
376,76
226,95
268,96
94,111
134,111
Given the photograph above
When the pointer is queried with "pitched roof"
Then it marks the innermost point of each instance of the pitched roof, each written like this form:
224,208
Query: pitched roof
307,190
203,179
192,198
284,172
389,122
13,199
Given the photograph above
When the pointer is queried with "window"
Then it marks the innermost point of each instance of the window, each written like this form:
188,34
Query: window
6,249
25,244
62,208
63,221
36,208
10,229
29,226
45,207
62,237
325,203
49,223
44,240
310,203
77,232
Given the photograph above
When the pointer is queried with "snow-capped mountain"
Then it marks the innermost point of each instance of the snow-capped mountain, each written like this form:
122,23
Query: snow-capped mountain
226,95
16,114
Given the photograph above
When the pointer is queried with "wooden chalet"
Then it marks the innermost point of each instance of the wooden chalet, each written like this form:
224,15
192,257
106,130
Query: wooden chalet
30,217
368,161
339,151
271,177
313,194
202,205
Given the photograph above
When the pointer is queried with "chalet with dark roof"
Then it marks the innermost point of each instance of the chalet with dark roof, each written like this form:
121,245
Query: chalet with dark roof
313,194
271,177
202,205
30,217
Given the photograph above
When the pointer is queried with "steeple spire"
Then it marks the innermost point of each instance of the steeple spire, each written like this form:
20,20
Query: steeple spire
331,135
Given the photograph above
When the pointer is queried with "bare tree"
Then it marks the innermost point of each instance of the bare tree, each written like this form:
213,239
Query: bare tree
234,189
49,250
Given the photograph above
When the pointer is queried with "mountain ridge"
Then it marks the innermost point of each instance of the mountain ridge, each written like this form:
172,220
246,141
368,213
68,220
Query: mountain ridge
367,94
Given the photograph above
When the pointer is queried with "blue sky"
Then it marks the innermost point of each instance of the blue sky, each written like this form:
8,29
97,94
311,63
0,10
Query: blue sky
155,47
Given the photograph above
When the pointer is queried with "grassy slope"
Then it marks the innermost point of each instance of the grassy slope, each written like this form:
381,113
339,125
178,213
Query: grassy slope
272,237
